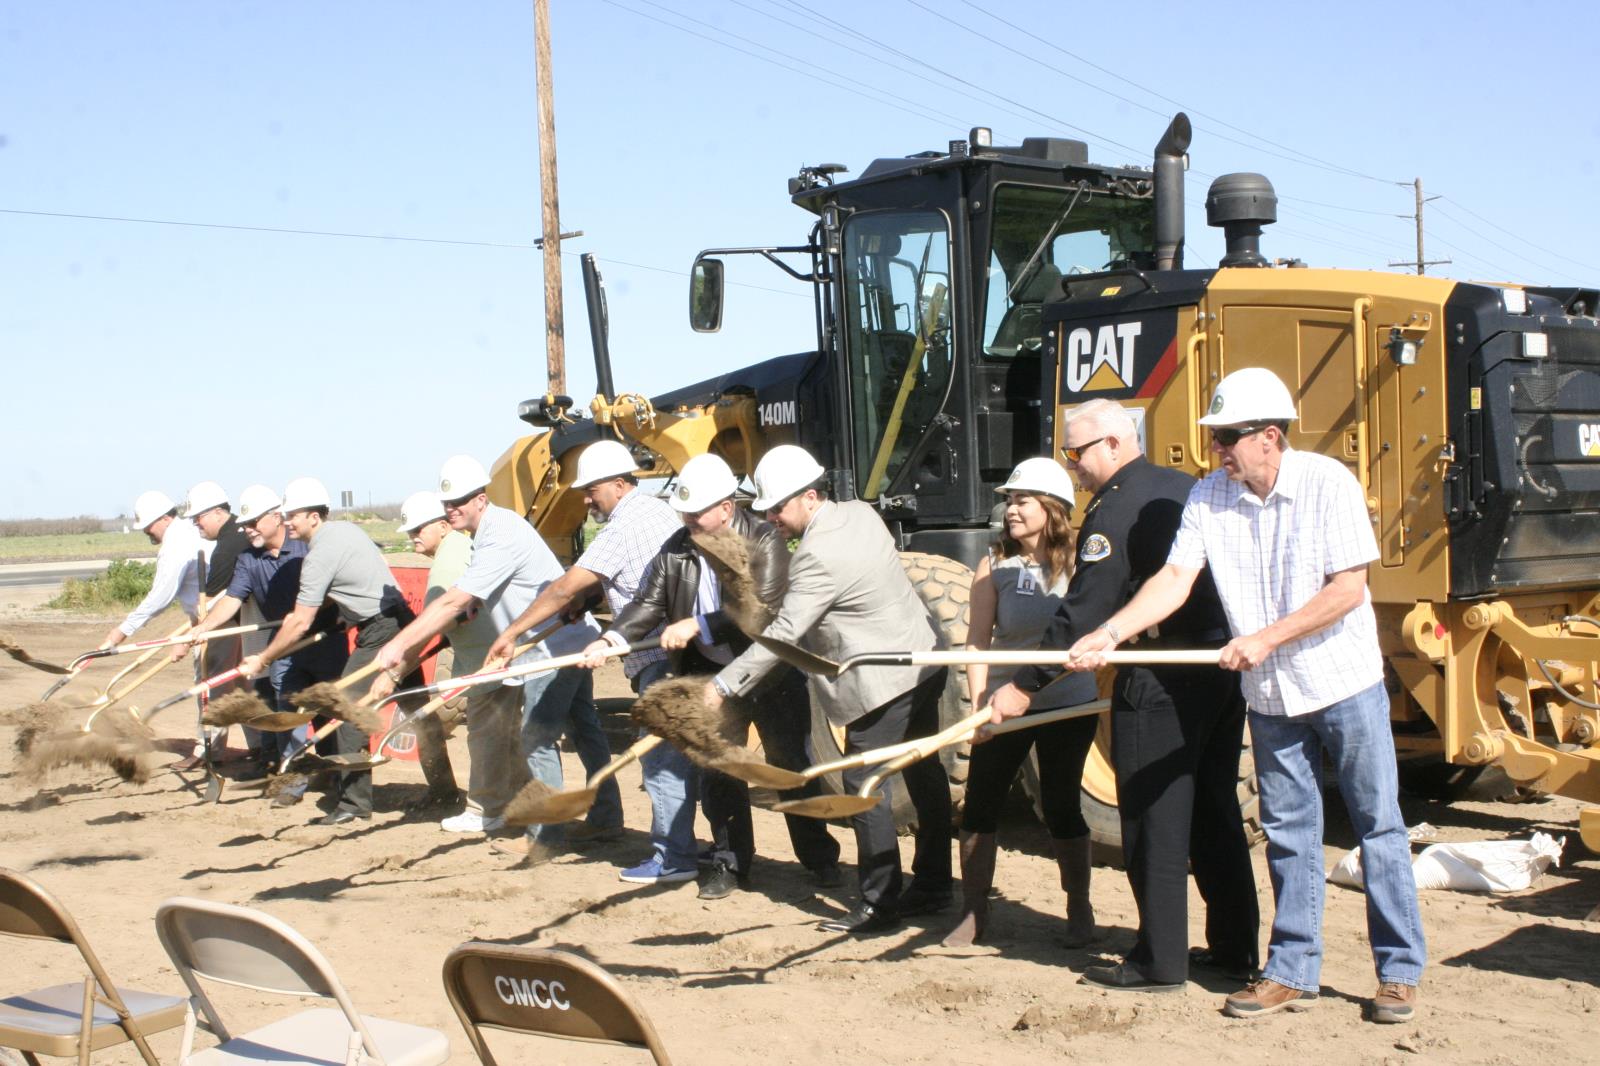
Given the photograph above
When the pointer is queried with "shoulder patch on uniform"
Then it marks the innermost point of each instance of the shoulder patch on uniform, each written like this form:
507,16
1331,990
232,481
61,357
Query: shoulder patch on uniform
1094,549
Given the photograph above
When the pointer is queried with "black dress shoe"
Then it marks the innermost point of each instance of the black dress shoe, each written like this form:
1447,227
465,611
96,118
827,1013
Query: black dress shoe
342,817
1124,978
720,882
918,900
863,920
1206,959
829,876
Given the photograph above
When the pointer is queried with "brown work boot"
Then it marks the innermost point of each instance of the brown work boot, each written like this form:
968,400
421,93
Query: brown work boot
1266,996
1074,861
1394,1003
977,876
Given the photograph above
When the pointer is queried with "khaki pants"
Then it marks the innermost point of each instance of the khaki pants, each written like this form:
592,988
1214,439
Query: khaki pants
494,745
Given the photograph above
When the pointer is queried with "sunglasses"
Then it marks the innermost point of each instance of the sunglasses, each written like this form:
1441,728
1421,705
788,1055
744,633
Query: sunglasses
1228,436
1075,452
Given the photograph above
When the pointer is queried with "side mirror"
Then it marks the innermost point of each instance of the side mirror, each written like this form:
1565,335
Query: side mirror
705,296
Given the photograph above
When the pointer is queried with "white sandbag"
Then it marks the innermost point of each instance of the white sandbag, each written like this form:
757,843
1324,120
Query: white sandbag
1487,865
1476,866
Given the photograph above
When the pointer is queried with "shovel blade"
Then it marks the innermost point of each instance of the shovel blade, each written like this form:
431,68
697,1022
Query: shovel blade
799,658
761,774
562,807
828,806
278,721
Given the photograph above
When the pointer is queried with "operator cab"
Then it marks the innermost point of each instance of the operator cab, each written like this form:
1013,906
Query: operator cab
930,274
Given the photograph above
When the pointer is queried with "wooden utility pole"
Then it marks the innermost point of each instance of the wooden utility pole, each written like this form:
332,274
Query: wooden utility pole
550,205
1422,263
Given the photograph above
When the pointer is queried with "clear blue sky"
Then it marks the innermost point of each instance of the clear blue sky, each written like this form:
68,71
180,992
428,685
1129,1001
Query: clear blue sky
140,355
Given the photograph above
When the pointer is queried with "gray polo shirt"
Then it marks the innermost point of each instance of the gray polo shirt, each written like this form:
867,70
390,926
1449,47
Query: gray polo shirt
511,565
345,566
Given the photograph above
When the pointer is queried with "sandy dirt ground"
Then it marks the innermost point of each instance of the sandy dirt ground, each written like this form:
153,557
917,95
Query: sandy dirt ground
1510,980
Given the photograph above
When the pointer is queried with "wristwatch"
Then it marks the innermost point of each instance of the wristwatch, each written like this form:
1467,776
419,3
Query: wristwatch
1116,638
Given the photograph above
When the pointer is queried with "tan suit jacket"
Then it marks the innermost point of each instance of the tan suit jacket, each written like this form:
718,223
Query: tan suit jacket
847,594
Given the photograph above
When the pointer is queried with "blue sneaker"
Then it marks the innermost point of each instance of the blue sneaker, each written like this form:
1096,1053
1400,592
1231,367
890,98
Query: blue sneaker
652,872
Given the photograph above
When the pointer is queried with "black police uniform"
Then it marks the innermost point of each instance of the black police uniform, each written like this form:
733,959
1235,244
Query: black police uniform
1176,731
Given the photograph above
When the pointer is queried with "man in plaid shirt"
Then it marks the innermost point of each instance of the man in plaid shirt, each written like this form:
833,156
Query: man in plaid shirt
1288,539
635,525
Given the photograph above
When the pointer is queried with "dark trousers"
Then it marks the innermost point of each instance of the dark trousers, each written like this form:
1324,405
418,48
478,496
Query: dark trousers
911,714
1063,748
1175,740
354,790
781,713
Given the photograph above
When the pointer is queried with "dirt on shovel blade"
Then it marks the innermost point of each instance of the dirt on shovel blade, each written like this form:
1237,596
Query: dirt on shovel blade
235,708
741,576
19,653
676,710
527,801
330,701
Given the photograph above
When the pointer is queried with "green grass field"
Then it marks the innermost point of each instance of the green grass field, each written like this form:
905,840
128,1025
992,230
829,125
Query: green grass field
62,547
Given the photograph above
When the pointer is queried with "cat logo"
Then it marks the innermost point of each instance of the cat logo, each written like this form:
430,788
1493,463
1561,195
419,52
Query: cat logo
1101,360
1589,440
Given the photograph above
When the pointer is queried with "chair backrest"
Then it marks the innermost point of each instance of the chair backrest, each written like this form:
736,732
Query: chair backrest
251,949
27,910
551,993
240,946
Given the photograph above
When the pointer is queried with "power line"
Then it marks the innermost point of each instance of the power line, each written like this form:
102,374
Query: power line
1518,236
1090,134
1509,251
810,71
262,229
1305,158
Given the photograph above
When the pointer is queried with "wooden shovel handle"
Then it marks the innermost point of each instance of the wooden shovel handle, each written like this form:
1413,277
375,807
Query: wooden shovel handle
636,750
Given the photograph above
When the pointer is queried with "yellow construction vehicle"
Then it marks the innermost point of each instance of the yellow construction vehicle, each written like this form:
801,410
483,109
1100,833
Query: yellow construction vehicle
965,297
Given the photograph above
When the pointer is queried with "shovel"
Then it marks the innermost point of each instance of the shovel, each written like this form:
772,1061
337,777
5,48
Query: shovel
204,688
812,663
356,761
896,757
167,642
566,806
72,672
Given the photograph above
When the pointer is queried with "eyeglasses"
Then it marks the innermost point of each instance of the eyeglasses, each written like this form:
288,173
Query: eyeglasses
1228,436
456,505
1074,452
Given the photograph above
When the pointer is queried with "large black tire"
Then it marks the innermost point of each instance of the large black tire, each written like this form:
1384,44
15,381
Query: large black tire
1098,798
945,587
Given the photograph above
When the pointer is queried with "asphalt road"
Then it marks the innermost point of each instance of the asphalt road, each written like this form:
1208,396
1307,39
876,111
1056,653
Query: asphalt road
48,575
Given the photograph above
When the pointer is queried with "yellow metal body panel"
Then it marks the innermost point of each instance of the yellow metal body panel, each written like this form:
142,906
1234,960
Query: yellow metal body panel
1326,334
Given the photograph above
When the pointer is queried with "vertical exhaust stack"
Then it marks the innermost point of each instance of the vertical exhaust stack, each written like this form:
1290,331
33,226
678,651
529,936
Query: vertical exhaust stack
594,294
1171,151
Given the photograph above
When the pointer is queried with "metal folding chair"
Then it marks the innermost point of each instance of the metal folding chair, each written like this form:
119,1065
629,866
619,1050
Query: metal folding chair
549,993
71,1019
250,949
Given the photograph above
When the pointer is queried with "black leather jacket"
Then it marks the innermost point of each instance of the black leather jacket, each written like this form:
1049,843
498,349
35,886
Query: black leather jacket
668,593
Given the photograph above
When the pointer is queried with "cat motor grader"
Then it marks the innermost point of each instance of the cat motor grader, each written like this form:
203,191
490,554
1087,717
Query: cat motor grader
965,298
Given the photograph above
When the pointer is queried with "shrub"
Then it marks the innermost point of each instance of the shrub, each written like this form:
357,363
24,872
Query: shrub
122,585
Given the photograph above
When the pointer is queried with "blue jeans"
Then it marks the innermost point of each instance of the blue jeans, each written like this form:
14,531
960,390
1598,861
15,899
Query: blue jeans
283,680
1288,753
673,784
557,702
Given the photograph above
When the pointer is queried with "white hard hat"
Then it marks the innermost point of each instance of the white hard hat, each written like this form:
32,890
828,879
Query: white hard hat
703,482
419,509
256,501
151,506
1042,476
203,497
784,471
461,476
604,459
304,493
1253,394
